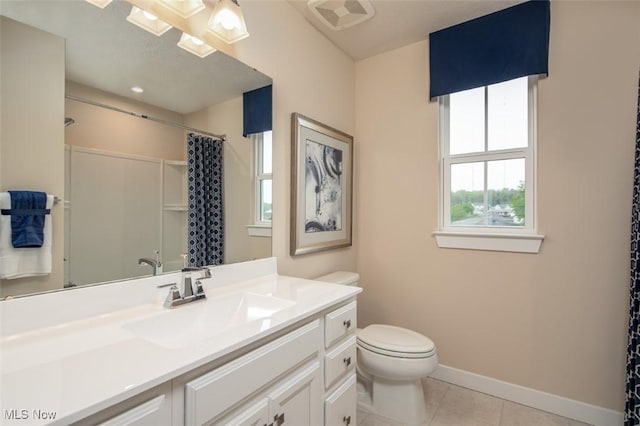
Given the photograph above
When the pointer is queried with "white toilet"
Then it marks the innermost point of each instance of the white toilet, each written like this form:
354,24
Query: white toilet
391,362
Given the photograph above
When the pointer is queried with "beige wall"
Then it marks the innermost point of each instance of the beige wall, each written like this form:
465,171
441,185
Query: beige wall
101,128
226,118
555,321
312,77
31,145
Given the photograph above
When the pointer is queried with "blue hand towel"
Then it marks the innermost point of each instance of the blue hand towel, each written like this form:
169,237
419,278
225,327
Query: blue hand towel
28,210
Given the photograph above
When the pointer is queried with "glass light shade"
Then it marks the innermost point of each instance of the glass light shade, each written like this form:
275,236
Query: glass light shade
100,3
184,8
227,22
195,45
147,21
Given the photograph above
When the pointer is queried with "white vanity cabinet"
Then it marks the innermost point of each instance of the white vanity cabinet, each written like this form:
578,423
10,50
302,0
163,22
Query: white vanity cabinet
279,381
339,366
283,353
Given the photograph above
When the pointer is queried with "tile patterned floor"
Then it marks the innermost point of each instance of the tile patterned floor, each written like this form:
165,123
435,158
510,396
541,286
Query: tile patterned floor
450,405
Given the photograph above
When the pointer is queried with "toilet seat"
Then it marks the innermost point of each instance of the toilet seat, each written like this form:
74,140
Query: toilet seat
395,342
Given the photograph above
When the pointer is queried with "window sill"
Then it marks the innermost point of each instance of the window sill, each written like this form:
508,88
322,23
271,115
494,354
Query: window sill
259,230
517,243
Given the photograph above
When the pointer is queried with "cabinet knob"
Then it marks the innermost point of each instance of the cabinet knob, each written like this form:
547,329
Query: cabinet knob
347,323
347,361
278,419
346,420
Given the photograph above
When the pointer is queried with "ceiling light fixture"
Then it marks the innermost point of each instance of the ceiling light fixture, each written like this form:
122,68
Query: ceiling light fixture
195,45
137,89
184,8
148,21
100,3
227,22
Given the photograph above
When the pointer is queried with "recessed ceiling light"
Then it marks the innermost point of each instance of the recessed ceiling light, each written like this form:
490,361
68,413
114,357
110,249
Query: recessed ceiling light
137,89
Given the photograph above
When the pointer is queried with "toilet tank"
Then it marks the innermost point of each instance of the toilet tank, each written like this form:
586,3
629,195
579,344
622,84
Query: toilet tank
341,277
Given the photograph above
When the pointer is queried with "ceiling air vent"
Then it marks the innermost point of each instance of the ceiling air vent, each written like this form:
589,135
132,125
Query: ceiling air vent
341,14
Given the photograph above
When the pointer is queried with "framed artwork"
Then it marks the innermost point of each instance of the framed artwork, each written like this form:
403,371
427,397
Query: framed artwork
321,186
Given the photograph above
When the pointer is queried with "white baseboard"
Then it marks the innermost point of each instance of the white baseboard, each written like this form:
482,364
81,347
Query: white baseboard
555,404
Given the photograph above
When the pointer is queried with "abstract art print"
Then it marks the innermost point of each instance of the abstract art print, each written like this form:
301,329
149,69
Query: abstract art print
323,193
321,186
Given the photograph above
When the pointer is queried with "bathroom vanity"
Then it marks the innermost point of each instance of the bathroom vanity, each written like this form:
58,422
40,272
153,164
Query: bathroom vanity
262,349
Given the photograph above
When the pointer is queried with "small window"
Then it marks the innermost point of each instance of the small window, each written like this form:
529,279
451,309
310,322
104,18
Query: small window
487,145
264,199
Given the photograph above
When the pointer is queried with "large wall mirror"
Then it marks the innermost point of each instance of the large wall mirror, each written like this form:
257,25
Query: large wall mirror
124,196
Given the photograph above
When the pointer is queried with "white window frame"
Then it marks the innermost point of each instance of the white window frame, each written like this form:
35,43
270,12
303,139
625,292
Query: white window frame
260,228
496,238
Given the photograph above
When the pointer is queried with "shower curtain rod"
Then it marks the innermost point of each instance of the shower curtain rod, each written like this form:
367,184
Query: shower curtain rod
147,117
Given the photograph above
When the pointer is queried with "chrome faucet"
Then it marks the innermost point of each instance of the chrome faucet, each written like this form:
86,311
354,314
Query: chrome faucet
175,298
155,264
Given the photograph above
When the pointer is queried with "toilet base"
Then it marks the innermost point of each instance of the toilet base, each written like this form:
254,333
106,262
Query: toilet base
402,402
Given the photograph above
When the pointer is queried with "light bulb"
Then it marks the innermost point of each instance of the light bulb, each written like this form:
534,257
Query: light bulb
196,41
149,16
227,19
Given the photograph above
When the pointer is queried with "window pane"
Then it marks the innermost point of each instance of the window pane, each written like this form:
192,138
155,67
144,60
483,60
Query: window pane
505,195
508,116
467,194
466,121
265,200
266,152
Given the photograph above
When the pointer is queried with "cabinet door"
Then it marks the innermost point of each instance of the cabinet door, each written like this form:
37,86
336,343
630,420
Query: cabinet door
297,400
254,414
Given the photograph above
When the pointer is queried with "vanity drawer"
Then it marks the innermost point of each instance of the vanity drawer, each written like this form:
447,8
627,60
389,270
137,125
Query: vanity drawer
339,361
212,393
339,323
155,412
340,406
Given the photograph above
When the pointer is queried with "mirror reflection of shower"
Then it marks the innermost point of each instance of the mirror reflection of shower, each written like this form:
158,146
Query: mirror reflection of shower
68,121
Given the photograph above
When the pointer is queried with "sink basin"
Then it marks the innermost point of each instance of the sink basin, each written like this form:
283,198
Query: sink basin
198,321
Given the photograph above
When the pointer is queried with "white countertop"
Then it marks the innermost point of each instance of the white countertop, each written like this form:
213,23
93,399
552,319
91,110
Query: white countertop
79,367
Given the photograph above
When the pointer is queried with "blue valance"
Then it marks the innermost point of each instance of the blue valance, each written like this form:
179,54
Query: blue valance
257,110
504,45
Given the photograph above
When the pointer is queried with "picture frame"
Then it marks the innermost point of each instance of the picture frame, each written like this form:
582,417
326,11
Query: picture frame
321,186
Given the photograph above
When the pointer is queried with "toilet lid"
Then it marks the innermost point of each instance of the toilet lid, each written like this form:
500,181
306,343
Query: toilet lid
392,340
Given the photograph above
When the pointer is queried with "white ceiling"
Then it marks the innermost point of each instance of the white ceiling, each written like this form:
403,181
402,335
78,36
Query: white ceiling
397,23
105,51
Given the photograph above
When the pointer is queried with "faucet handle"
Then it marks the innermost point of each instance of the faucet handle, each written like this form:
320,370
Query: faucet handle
200,290
206,271
172,296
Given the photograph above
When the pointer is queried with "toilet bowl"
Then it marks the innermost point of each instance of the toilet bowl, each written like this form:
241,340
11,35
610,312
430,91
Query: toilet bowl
391,363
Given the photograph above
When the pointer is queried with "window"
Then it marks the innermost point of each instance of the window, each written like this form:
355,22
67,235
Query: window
264,179
487,145
263,185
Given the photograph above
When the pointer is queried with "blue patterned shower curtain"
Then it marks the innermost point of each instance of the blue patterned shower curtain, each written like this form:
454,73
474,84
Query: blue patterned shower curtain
632,395
206,202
